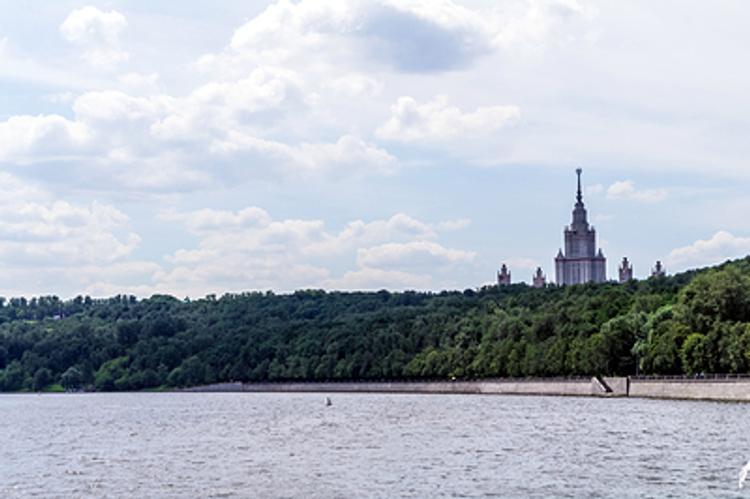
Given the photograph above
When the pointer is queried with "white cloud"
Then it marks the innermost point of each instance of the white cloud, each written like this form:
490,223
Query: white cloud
408,36
57,233
720,247
90,249
91,25
278,100
185,138
411,36
437,120
625,189
248,249
39,138
97,33
423,255
207,220
49,245
531,23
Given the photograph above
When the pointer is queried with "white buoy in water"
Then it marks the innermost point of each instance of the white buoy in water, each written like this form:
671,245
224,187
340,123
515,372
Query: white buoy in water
743,474
328,401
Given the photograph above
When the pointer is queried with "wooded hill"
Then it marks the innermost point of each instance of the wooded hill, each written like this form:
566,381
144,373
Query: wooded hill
688,323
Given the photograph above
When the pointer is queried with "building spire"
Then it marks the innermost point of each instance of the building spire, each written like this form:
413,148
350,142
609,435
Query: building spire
579,196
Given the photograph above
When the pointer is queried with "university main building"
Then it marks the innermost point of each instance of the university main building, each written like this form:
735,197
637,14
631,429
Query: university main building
580,261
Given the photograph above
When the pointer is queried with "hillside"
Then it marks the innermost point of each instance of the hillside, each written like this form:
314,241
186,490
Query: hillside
688,323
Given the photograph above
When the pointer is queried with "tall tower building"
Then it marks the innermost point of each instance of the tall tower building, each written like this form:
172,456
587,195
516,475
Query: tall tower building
581,262
503,276
625,270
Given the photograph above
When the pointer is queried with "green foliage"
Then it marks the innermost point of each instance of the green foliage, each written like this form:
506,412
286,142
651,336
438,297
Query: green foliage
690,323
694,354
72,379
112,375
42,378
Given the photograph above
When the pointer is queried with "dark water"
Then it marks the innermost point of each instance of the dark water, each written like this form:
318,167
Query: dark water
292,445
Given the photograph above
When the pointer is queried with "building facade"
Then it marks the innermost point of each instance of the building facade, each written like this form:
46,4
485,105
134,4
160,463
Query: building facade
658,270
503,276
580,262
539,279
625,270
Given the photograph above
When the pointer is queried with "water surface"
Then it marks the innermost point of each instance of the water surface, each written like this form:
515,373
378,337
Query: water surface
368,445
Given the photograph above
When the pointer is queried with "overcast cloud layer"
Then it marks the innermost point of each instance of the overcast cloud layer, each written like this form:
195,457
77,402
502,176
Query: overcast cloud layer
198,148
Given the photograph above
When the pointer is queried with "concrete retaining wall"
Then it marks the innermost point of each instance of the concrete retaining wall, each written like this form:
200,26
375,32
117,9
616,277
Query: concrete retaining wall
579,387
691,389
730,390
619,385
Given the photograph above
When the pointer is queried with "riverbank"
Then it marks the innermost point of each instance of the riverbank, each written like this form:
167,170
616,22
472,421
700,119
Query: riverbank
716,388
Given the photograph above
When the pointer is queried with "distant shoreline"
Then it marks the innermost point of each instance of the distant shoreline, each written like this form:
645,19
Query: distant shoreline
726,389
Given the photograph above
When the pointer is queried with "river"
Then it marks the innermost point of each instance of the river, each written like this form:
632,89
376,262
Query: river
368,445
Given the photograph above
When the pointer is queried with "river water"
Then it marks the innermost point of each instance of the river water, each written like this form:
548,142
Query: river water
368,445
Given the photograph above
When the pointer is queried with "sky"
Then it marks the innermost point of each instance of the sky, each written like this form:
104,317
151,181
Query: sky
197,147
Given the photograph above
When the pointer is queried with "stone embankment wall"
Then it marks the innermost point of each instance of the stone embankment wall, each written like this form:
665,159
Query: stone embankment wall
720,389
729,389
557,386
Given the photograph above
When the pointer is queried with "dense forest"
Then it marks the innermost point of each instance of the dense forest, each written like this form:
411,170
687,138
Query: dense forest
689,323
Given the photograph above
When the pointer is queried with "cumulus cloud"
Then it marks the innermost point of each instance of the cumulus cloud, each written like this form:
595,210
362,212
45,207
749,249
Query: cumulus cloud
413,36
437,120
39,138
51,245
408,36
91,247
720,247
185,137
248,249
97,34
625,189
424,255
271,104
58,233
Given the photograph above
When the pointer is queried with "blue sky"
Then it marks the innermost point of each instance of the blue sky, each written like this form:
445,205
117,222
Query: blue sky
193,147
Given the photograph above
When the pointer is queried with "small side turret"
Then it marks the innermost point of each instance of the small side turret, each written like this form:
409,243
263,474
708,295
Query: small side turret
625,270
539,279
658,270
503,276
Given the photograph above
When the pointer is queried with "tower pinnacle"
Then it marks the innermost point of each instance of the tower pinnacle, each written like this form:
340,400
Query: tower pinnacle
579,196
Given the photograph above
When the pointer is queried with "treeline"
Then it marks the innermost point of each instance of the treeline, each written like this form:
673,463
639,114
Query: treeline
690,323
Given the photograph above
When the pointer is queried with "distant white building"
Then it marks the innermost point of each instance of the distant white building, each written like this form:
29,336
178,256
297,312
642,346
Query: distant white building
580,262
